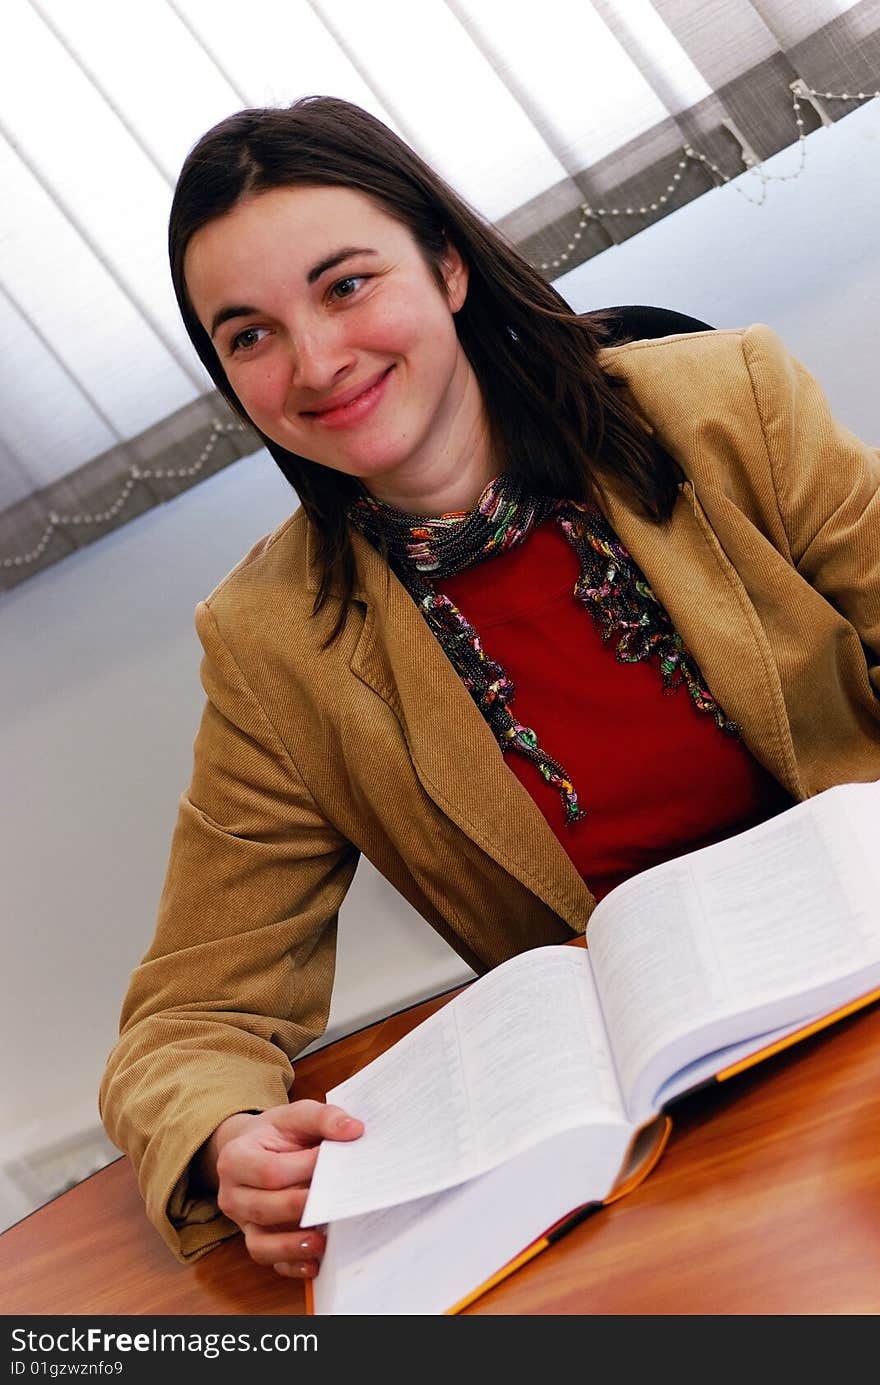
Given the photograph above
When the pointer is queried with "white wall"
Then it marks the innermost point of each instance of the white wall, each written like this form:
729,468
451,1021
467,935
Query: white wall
99,697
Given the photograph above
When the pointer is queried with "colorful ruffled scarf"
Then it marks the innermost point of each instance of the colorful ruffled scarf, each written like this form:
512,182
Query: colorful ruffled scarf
611,587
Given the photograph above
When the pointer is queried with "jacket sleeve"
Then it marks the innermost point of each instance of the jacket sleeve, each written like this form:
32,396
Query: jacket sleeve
239,976
827,485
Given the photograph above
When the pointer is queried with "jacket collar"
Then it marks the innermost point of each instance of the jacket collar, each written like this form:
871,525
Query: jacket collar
313,566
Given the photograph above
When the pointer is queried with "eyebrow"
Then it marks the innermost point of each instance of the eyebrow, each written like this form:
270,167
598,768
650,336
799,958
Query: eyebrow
337,258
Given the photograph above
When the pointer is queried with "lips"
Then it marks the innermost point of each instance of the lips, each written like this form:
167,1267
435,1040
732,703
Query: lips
353,405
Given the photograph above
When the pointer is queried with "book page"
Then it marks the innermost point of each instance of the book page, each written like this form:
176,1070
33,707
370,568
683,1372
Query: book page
427,1255
519,1056
778,924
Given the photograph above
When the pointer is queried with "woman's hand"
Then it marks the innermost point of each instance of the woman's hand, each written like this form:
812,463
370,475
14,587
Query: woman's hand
261,1166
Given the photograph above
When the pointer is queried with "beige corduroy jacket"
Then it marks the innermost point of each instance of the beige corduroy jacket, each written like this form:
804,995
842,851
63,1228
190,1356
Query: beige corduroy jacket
770,570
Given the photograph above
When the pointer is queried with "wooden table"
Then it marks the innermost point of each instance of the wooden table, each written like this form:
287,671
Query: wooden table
767,1201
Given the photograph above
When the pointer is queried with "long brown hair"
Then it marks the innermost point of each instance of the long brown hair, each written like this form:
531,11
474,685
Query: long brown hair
558,421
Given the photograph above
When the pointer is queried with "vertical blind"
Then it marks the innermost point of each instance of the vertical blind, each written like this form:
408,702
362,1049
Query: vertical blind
570,125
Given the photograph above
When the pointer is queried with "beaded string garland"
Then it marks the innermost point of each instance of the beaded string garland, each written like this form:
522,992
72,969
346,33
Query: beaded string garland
611,586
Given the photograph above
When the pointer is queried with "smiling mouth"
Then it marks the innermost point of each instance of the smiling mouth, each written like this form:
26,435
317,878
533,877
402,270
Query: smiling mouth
353,407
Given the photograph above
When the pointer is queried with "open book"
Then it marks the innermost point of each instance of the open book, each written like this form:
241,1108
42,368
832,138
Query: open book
541,1090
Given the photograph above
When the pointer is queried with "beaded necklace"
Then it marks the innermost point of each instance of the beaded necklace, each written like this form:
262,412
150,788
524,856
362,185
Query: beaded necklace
611,586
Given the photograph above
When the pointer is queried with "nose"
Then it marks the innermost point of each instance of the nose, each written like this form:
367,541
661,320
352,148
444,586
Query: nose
322,358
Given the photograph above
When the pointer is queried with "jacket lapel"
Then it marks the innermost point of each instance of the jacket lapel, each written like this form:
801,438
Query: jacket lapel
711,609
454,753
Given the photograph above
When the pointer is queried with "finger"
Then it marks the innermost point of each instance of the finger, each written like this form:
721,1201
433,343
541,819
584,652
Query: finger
253,1205
341,1125
252,1166
276,1245
308,1122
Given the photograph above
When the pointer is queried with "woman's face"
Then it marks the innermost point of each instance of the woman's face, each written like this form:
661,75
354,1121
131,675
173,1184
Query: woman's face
336,337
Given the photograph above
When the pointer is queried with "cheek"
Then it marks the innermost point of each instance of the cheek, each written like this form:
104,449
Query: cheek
412,327
261,389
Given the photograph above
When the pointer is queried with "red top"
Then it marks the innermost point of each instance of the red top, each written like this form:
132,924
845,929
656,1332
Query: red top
656,775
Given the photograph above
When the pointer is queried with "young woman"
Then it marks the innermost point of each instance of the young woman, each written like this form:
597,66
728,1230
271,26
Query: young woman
550,612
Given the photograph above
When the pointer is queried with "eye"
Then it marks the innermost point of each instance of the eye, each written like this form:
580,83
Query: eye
348,287
247,339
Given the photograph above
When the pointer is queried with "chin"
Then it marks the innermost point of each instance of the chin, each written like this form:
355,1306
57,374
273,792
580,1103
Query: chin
372,469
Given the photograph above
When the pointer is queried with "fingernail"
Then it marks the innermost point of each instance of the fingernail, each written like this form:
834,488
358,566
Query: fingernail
296,1269
306,1247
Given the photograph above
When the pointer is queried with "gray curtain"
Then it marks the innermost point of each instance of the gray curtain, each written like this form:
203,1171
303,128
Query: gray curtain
749,55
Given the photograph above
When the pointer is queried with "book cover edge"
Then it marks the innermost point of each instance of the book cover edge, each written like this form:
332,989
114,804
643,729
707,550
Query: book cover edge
571,1219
